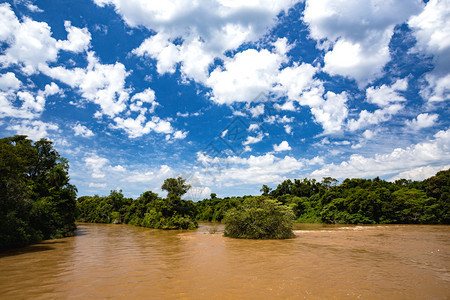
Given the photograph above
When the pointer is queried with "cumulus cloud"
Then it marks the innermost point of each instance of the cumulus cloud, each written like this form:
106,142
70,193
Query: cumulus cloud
35,130
424,120
78,39
98,166
245,76
32,105
30,43
193,34
9,82
432,30
253,139
148,177
356,34
434,152
103,84
420,173
283,146
252,170
299,84
180,135
388,98
97,185
385,95
367,118
139,126
82,130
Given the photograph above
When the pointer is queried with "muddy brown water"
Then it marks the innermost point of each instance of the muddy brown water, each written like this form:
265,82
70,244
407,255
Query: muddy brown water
322,262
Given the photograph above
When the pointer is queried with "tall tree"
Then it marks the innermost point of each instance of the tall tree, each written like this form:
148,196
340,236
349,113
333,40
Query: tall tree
176,187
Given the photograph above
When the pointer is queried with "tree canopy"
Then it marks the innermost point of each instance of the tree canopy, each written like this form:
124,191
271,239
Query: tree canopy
37,200
176,187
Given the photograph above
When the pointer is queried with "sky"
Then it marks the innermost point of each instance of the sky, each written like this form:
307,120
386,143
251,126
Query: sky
228,94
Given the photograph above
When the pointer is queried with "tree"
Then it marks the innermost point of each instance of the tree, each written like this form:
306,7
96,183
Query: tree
265,190
259,218
176,187
36,199
213,195
328,182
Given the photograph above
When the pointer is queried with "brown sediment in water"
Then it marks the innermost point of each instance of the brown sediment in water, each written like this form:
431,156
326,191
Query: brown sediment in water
323,262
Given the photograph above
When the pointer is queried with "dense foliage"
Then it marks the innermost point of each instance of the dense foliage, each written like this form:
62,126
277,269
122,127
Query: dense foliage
38,202
259,218
355,201
36,199
148,210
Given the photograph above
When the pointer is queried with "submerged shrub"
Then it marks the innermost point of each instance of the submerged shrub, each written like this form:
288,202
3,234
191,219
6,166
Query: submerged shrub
259,218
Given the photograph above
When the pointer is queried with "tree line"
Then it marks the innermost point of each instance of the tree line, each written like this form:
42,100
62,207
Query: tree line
354,201
38,202
36,199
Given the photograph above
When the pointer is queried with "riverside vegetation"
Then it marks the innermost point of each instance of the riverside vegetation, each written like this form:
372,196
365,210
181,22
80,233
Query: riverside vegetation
36,199
38,202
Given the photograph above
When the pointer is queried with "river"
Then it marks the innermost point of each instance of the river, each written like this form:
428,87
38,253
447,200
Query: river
322,262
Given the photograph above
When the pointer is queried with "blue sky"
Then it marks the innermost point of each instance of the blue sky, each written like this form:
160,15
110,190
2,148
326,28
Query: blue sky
229,94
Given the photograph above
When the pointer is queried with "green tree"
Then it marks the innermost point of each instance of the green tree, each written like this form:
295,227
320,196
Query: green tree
37,200
176,187
265,190
259,218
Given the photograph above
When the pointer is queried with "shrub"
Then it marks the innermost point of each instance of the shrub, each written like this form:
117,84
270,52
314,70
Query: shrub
259,218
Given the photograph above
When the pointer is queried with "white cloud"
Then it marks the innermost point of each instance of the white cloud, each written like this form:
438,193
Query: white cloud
34,8
252,128
245,76
332,112
78,40
118,168
424,120
437,88
180,135
257,110
102,84
296,80
283,146
198,193
97,185
35,130
298,83
288,129
30,45
432,30
82,130
149,177
193,34
357,32
252,170
420,173
434,152
31,106
9,82
147,96
97,165
367,118
253,139
385,95
288,105
51,89
139,126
